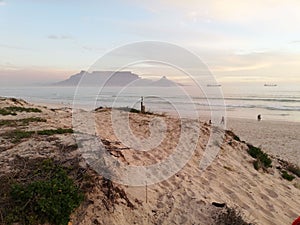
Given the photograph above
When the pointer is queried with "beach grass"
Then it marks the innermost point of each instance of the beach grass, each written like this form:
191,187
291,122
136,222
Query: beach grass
285,175
12,110
17,135
293,169
262,158
22,122
56,131
5,112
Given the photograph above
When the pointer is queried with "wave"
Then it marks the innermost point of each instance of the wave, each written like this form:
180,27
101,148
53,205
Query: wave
291,99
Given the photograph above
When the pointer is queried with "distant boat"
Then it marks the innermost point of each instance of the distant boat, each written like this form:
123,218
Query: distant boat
213,85
270,85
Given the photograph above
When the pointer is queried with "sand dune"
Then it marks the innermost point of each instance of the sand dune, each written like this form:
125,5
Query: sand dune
184,198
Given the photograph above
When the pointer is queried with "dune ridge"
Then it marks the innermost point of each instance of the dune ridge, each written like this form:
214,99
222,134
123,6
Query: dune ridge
263,197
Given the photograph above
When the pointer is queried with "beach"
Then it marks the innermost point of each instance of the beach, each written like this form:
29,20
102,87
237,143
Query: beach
279,138
185,197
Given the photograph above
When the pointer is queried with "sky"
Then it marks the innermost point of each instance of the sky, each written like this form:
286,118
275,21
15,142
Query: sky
239,41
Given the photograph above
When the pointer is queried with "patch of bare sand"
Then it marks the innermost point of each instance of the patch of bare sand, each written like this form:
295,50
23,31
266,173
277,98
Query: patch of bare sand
278,138
185,198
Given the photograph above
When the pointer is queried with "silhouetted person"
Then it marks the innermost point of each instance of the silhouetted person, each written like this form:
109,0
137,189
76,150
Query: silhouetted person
142,105
222,120
259,117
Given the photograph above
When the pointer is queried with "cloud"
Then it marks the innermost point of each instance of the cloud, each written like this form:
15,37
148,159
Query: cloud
60,37
13,47
255,66
259,14
2,3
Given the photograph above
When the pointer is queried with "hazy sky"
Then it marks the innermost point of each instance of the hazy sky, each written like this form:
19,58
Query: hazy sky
250,41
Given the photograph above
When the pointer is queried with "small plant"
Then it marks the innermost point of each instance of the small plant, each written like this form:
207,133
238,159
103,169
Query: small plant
230,216
257,164
235,137
22,109
23,122
5,112
262,159
133,110
57,131
12,110
18,135
50,198
293,169
287,176
254,151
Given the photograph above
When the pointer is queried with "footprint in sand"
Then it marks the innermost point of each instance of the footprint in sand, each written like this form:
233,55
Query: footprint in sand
272,193
190,193
264,197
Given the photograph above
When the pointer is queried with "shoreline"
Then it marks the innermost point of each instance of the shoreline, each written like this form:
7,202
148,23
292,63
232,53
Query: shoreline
262,195
202,118
277,138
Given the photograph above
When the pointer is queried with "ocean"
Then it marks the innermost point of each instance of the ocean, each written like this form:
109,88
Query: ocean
243,100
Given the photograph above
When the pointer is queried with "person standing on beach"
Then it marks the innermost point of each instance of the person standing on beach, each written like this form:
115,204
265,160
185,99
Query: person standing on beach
259,117
222,120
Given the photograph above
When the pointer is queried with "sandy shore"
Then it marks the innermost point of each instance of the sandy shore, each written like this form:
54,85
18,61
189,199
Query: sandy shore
278,138
186,197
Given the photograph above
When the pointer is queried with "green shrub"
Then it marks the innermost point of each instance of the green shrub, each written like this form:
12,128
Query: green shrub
51,198
18,135
257,164
261,157
23,122
294,169
22,109
12,110
287,176
5,112
254,151
235,137
55,131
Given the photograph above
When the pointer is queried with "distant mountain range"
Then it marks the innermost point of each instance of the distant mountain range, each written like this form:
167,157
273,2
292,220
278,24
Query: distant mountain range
111,78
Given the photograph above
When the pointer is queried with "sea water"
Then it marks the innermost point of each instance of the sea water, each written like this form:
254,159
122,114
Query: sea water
242,100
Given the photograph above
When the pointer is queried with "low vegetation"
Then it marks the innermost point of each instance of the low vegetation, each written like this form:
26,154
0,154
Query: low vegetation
56,131
21,122
233,135
17,135
133,110
49,196
5,112
293,169
262,158
287,176
12,110
230,216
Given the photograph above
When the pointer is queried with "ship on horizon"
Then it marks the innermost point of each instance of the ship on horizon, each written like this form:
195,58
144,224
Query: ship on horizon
270,85
213,85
